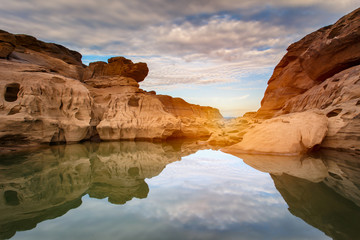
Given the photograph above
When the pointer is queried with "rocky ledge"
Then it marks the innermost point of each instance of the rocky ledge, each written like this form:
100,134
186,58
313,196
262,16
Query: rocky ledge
47,95
312,99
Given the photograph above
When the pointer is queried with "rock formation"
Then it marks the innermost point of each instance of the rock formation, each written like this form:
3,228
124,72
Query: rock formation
321,73
48,96
290,134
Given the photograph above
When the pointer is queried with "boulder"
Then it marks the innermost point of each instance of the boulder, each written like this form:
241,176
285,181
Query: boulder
291,134
117,66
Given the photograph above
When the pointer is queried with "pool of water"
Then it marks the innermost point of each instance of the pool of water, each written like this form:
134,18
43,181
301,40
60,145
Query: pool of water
127,190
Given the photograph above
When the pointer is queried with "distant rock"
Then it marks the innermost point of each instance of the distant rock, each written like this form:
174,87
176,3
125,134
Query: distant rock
117,66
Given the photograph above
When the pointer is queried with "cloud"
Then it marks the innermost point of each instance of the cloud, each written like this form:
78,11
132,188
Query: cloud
185,43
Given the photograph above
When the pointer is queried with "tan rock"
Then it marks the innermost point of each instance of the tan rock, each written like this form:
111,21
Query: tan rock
117,66
313,59
38,107
44,98
290,134
7,44
5,49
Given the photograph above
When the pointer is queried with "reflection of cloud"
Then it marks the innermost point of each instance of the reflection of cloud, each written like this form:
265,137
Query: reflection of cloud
207,195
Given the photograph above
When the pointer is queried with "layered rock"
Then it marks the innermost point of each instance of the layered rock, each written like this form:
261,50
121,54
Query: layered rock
47,96
41,107
124,111
310,61
195,121
291,134
117,66
318,73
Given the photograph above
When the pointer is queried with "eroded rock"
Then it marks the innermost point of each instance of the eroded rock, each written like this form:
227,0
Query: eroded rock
291,134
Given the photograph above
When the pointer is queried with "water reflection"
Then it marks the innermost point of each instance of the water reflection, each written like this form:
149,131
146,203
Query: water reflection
206,196
48,183
323,190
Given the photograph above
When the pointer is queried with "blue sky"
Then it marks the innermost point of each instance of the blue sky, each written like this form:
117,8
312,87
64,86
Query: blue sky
209,52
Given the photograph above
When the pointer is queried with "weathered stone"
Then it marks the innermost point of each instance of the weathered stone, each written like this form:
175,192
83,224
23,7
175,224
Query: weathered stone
117,66
291,134
310,61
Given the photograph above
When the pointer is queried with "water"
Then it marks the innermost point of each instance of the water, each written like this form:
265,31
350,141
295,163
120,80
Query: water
127,190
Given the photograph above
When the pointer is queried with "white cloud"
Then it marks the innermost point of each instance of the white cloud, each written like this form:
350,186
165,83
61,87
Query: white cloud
185,43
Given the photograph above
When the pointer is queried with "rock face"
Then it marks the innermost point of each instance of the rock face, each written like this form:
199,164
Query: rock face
321,72
117,66
47,96
38,107
291,134
310,61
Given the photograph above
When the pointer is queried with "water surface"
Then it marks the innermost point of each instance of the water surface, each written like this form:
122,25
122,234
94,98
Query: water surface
127,190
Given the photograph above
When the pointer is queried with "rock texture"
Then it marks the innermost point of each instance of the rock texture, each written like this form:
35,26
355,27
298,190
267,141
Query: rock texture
310,61
291,134
48,96
38,107
117,66
321,73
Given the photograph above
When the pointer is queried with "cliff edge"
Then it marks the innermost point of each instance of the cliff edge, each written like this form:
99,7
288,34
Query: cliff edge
47,95
320,74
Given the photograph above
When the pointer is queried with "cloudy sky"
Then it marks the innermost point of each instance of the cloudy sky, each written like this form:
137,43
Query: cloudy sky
210,52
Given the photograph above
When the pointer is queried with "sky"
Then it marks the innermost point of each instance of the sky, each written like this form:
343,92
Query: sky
217,53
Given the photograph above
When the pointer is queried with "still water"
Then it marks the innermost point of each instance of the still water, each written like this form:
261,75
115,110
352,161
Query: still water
142,190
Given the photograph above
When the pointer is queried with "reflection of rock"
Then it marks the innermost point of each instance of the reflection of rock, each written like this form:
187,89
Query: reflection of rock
323,190
312,169
120,168
42,186
320,206
338,170
344,177
48,183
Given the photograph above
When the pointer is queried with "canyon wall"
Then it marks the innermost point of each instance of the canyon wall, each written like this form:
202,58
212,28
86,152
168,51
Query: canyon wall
320,74
48,96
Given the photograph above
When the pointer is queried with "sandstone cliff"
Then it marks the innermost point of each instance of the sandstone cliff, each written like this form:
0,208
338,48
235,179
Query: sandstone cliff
48,96
321,73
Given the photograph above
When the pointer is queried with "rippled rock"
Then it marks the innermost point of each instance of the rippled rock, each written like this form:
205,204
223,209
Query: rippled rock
48,96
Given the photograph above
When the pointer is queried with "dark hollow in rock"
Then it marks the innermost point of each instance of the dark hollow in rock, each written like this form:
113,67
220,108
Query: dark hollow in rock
334,113
133,171
133,101
11,91
11,198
